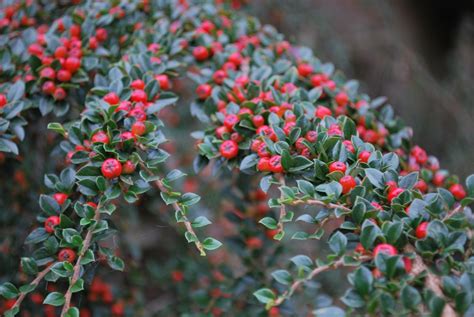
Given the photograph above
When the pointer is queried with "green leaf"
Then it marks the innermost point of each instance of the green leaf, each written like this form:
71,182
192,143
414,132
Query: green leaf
29,266
363,280
54,299
269,222
36,236
338,243
57,127
200,221
264,295
211,244
116,263
306,187
8,290
189,199
410,297
282,276
49,205
72,312
302,261
470,185
375,177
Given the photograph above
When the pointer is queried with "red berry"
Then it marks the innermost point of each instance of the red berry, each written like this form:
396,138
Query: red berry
59,93
458,191
138,128
322,112
60,52
50,223
342,99
311,136
204,91
393,193
66,255
93,43
101,34
164,81
421,186
112,98
258,121
138,84
60,198
139,95
129,167
111,168
337,166
386,249
407,263
422,230
48,72
64,75
72,64
275,164
254,243
229,149
364,156
100,137
219,76
200,53
231,120
305,70
263,164
348,183
3,100
48,88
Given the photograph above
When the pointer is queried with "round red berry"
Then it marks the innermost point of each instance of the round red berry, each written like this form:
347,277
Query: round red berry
112,98
348,183
204,91
48,87
50,223
59,93
305,70
100,137
231,120
64,75
138,128
60,198
337,166
200,53
275,164
364,156
3,100
48,72
66,255
386,249
393,193
458,191
229,149
128,167
263,164
139,95
342,99
164,81
422,230
138,84
111,168
72,64
322,112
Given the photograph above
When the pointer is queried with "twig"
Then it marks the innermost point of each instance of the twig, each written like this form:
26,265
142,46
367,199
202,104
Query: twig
432,281
187,223
453,212
35,282
319,203
311,275
77,266
283,206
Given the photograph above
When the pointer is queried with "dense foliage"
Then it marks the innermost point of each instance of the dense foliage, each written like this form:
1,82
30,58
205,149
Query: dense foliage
331,164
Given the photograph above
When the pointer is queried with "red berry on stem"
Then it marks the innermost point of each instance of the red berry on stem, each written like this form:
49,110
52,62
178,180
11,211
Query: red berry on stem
229,149
138,128
111,168
393,193
348,183
64,75
337,166
138,84
231,120
200,53
275,164
60,198
128,167
100,137
386,249
59,93
112,98
204,91
50,223
164,81
364,156
72,64
322,112
139,95
3,100
458,191
66,255
422,230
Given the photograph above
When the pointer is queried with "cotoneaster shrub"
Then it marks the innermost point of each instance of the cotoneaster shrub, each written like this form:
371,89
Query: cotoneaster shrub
272,114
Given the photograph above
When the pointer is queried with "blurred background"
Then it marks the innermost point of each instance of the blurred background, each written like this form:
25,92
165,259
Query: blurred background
420,54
